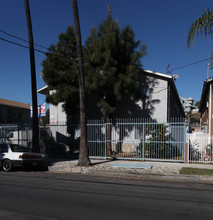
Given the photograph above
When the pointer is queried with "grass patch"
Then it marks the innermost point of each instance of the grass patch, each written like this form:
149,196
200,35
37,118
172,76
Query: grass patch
196,171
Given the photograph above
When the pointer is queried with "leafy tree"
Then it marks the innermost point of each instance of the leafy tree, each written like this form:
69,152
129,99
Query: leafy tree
65,79
202,25
197,104
158,142
113,61
60,73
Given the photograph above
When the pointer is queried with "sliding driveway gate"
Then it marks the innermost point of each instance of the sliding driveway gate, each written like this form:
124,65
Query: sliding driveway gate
137,139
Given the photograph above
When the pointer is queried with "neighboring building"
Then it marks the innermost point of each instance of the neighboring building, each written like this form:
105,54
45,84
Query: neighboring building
188,104
13,112
192,114
57,115
195,120
206,107
156,98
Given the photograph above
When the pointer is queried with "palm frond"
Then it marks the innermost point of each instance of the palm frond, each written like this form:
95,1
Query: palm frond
203,25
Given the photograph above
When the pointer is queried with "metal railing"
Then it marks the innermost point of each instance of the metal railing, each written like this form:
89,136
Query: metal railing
16,134
132,139
138,139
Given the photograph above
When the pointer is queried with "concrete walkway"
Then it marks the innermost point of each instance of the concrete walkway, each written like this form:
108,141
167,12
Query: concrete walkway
133,169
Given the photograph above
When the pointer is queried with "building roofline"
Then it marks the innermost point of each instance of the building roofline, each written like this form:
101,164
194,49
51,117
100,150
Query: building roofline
177,96
150,72
43,90
170,78
204,92
10,103
158,74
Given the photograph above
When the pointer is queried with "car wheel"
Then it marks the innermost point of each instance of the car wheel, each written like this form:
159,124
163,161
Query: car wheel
7,165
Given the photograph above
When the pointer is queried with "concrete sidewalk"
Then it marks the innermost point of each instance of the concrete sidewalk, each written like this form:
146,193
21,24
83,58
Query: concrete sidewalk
132,169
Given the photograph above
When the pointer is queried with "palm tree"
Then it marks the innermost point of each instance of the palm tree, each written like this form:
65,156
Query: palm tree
83,154
203,25
35,140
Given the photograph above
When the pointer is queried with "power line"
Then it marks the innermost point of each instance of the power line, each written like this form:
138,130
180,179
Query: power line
181,67
20,45
159,91
38,45
11,35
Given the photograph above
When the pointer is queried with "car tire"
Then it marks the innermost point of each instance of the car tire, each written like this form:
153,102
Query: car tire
7,165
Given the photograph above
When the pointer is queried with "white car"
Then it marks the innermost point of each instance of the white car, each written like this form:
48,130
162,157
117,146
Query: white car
13,155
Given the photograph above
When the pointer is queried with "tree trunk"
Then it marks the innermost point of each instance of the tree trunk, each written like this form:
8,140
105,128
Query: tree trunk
35,138
83,154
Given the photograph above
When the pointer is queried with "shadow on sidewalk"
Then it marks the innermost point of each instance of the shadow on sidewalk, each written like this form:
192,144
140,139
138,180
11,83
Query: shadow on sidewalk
101,162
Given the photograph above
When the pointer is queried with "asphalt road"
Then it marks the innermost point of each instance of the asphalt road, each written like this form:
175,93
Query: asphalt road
44,195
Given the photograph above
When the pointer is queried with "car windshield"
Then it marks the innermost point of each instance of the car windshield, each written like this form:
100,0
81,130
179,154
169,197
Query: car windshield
19,148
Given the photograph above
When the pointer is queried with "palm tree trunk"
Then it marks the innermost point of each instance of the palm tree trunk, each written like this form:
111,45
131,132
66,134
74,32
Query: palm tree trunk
35,138
83,154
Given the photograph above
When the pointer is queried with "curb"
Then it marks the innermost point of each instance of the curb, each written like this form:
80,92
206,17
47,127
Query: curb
133,175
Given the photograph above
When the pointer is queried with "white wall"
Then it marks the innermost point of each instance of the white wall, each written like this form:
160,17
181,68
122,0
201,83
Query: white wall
57,115
160,92
154,105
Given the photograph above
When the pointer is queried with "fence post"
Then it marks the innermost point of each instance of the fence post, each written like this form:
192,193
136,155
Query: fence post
143,142
106,143
186,152
109,138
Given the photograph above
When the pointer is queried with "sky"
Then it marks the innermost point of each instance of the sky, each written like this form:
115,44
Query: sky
162,25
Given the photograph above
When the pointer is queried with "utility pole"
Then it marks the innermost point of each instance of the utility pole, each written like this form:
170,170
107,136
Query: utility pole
169,69
83,152
35,138
208,70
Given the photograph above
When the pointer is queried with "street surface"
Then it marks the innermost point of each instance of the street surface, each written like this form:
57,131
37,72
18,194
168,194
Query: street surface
45,195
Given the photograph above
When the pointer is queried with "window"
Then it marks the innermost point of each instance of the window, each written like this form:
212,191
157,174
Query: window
19,148
10,135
